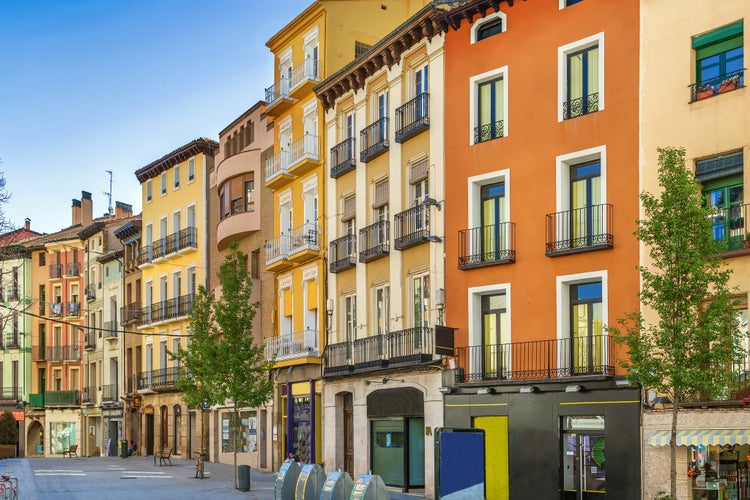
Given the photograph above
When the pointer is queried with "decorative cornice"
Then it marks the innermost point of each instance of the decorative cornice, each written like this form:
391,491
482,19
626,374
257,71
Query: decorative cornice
154,169
452,18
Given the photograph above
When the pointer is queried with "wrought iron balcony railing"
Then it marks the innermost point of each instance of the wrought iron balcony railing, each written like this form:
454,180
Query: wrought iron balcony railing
580,230
38,353
413,117
581,106
64,353
278,90
13,341
292,345
404,347
55,271
90,292
165,378
109,392
373,140
56,310
412,226
538,360
167,309
489,131
130,313
146,255
306,70
88,394
13,393
110,330
89,341
277,249
173,243
343,253
729,226
304,237
306,147
72,309
487,246
278,164
719,85
374,241
62,398
342,157
72,269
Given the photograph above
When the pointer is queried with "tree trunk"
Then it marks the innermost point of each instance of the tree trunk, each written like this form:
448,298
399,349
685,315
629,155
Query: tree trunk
673,451
235,440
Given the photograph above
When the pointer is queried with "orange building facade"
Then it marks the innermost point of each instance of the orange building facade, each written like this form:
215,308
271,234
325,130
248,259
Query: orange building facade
542,183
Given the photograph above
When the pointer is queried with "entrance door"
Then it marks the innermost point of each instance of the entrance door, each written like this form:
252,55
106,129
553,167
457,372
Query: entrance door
113,436
262,439
584,474
149,434
164,428
587,224
348,434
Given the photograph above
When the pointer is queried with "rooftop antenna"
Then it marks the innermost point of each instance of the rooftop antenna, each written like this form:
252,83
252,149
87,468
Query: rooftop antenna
109,194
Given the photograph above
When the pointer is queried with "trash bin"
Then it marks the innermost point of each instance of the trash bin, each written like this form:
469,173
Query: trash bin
124,449
243,477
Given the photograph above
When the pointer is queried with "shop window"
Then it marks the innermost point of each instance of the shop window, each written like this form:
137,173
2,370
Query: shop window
243,432
583,456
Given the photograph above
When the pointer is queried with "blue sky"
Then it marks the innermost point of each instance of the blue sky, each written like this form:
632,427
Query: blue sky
88,86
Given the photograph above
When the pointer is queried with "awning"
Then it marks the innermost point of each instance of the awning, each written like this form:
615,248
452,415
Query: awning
705,437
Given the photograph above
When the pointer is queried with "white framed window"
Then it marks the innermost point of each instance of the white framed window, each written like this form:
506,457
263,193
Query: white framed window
490,337
311,49
176,176
381,308
420,309
580,73
567,3
286,307
490,25
191,169
149,193
488,102
350,317
163,183
489,236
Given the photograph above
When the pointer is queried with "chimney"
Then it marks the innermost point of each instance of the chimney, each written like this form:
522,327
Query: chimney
76,209
123,210
87,208
28,224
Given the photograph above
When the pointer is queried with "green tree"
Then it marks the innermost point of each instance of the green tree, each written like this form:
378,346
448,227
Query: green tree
222,361
685,345
8,429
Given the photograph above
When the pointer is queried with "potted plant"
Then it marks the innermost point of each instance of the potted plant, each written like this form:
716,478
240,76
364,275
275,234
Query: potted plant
703,91
729,84
8,435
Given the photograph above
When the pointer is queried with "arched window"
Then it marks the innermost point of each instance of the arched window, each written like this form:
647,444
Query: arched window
492,25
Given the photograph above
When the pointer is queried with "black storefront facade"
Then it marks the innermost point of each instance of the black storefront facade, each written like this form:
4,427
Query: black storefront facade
576,440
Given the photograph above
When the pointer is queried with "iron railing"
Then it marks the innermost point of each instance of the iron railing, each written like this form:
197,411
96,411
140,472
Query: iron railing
306,147
13,340
306,70
13,393
718,85
90,292
109,392
292,345
72,308
62,398
277,249
412,226
413,117
489,131
343,253
537,360
487,245
167,309
88,394
165,378
146,255
278,90
89,341
374,241
373,140
342,157
72,269
278,164
55,310
38,353
55,271
173,243
304,237
130,312
729,226
580,230
110,330
581,106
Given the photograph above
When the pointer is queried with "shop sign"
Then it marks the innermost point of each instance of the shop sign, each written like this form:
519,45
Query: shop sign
444,340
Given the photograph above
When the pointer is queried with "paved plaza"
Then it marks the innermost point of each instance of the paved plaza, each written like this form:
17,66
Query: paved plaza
97,478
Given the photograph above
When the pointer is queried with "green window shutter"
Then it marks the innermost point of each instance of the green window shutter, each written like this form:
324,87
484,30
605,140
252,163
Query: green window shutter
718,35
720,167
718,48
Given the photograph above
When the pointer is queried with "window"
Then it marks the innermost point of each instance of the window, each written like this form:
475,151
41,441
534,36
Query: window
494,233
581,68
191,169
382,309
421,300
489,98
360,49
719,60
249,191
148,190
491,25
495,359
350,317
42,259
723,189
176,174
163,183
255,264
583,451
568,3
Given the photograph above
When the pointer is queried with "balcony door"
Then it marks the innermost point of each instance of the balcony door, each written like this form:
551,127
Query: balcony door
494,237
586,328
583,458
495,342
421,84
585,204
725,195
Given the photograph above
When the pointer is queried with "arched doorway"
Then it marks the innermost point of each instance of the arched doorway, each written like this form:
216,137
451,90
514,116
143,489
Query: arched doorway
164,427
35,439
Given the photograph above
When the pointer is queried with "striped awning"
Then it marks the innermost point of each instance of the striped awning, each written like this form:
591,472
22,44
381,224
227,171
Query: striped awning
705,437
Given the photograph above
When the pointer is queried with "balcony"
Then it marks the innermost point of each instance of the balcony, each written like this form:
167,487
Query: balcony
55,271
412,227
146,257
410,347
63,353
90,292
304,242
55,310
489,131
73,309
373,140
277,253
293,345
716,86
305,155
277,97
166,310
72,269
342,157
277,169
537,361
581,106
13,394
304,77
175,244
413,117
487,246
62,398
109,392
13,341
131,313
36,400
374,241
38,353
110,330
579,230
88,395
241,221
343,253
165,378
89,341
729,226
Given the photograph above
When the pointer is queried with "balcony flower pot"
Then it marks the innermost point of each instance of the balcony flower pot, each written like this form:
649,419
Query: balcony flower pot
725,87
704,92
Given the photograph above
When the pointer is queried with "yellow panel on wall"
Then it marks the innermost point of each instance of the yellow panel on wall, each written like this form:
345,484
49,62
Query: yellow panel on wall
288,302
301,389
496,455
312,295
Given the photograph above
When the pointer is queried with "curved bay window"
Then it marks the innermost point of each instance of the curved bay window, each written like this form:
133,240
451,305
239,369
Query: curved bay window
237,195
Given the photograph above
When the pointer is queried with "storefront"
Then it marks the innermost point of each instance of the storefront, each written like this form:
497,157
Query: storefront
300,419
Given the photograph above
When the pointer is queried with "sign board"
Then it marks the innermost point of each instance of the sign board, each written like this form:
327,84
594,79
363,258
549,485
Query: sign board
444,343
459,454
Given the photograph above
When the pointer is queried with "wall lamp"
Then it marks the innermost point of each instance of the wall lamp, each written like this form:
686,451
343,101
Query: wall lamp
486,390
384,381
528,389
574,388
431,201
446,390
434,239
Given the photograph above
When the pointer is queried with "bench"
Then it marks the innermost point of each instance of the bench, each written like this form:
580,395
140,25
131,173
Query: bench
164,456
72,451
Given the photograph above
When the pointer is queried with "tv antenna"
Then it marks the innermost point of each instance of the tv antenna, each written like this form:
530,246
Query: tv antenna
109,194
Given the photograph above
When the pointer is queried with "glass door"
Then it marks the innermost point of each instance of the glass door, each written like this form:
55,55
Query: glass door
583,460
585,204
